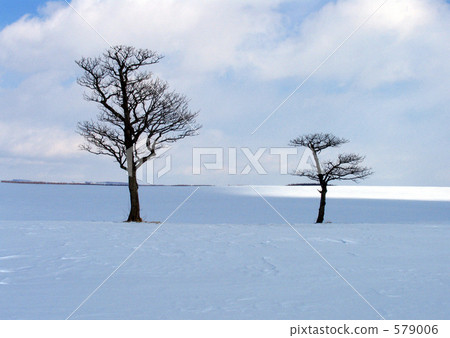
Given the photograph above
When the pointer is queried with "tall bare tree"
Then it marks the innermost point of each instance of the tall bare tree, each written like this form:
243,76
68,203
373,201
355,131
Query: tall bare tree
345,168
135,107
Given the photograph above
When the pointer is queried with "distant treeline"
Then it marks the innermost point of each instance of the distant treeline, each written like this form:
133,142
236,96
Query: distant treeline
65,183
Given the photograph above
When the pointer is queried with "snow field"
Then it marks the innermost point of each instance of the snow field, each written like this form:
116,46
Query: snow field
223,255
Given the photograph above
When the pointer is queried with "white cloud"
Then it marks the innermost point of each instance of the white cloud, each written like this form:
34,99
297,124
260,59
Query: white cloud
207,34
396,44
221,35
24,141
388,82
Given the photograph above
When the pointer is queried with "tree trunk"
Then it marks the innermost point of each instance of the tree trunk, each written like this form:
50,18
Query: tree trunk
135,212
323,193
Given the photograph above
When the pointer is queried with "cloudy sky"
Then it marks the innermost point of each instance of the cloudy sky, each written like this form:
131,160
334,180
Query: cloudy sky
373,71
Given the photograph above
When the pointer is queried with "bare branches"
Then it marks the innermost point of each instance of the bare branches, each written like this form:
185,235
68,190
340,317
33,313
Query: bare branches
308,173
107,76
317,142
102,140
134,106
345,168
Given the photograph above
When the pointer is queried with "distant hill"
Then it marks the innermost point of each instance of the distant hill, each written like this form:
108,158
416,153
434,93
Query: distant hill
21,181
106,183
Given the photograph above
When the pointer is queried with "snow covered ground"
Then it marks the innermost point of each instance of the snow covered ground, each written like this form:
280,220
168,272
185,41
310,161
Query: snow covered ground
224,254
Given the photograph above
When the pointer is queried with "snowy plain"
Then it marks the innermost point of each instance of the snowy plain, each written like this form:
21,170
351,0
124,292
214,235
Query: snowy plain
224,254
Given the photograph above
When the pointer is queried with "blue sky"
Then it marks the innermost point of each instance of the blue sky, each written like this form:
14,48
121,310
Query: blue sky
385,88
14,10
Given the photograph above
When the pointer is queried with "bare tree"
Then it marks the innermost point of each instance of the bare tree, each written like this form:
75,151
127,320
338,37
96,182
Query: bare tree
135,107
345,168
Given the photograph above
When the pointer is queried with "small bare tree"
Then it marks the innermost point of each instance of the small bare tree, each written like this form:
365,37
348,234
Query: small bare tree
134,107
345,168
